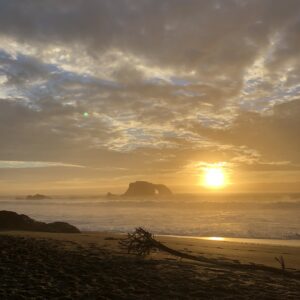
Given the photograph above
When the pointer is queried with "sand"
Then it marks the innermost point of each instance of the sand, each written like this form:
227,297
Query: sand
92,266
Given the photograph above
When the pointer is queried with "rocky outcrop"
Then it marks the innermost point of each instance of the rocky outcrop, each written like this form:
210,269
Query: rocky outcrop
109,195
10,220
163,190
37,197
146,189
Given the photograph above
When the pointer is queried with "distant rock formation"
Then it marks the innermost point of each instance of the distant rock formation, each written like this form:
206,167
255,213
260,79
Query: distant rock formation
37,197
109,195
144,188
10,220
295,236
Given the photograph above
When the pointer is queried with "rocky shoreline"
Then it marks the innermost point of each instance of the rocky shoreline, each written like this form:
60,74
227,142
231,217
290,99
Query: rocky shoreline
10,220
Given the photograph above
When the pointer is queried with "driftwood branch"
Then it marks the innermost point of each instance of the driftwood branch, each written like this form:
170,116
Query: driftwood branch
280,260
141,243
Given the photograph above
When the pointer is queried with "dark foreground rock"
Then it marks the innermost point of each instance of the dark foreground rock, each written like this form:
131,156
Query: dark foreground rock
144,188
46,269
10,220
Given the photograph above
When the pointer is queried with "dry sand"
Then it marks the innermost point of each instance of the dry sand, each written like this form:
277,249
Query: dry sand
92,266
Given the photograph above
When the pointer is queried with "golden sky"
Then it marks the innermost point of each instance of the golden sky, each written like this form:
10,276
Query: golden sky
96,94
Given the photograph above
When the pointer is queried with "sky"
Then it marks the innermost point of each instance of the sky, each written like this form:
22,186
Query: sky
95,94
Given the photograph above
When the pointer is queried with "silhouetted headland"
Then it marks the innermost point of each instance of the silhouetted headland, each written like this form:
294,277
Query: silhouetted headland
10,220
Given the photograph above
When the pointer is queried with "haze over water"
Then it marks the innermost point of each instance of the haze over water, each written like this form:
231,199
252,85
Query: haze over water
244,216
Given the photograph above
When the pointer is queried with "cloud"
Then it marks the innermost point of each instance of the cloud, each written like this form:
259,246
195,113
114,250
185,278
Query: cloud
165,83
274,135
33,164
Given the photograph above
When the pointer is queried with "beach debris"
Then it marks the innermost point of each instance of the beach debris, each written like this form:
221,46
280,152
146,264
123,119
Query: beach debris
141,242
281,261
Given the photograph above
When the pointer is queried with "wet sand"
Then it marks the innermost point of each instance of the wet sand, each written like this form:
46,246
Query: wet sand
92,266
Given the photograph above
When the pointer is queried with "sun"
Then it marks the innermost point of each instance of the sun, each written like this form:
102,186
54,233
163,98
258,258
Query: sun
214,177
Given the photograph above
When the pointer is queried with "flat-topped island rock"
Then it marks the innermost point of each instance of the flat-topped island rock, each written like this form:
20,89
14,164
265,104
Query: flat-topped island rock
148,189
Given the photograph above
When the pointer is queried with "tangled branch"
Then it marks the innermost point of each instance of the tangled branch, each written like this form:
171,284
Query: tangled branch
141,242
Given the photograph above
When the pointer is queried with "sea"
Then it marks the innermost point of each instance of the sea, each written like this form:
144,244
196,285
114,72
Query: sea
234,216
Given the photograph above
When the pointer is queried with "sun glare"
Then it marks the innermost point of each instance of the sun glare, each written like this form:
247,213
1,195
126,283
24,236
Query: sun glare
214,177
215,238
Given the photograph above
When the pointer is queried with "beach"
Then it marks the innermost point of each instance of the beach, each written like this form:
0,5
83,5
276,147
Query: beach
91,265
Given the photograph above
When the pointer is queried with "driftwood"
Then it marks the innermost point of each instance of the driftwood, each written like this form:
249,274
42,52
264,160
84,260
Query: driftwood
141,243
280,260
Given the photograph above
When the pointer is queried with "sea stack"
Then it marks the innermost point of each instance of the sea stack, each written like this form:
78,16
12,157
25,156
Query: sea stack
147,189
37,197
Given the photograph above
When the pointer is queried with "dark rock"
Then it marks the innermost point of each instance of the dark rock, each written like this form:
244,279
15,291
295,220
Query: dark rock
62,227
162,190
37,197
10,220
295,236
110,195
144,188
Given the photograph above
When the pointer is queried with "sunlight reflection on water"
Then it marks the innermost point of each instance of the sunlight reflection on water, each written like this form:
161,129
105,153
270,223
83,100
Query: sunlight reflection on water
278,242
214,238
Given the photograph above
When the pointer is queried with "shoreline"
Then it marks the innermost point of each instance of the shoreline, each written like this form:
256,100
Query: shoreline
243,240
254,241
39,265
244,252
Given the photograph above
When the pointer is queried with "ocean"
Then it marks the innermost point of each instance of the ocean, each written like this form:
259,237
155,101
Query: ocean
231,216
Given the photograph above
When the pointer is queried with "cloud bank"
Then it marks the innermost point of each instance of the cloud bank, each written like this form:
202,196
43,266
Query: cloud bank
150,88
